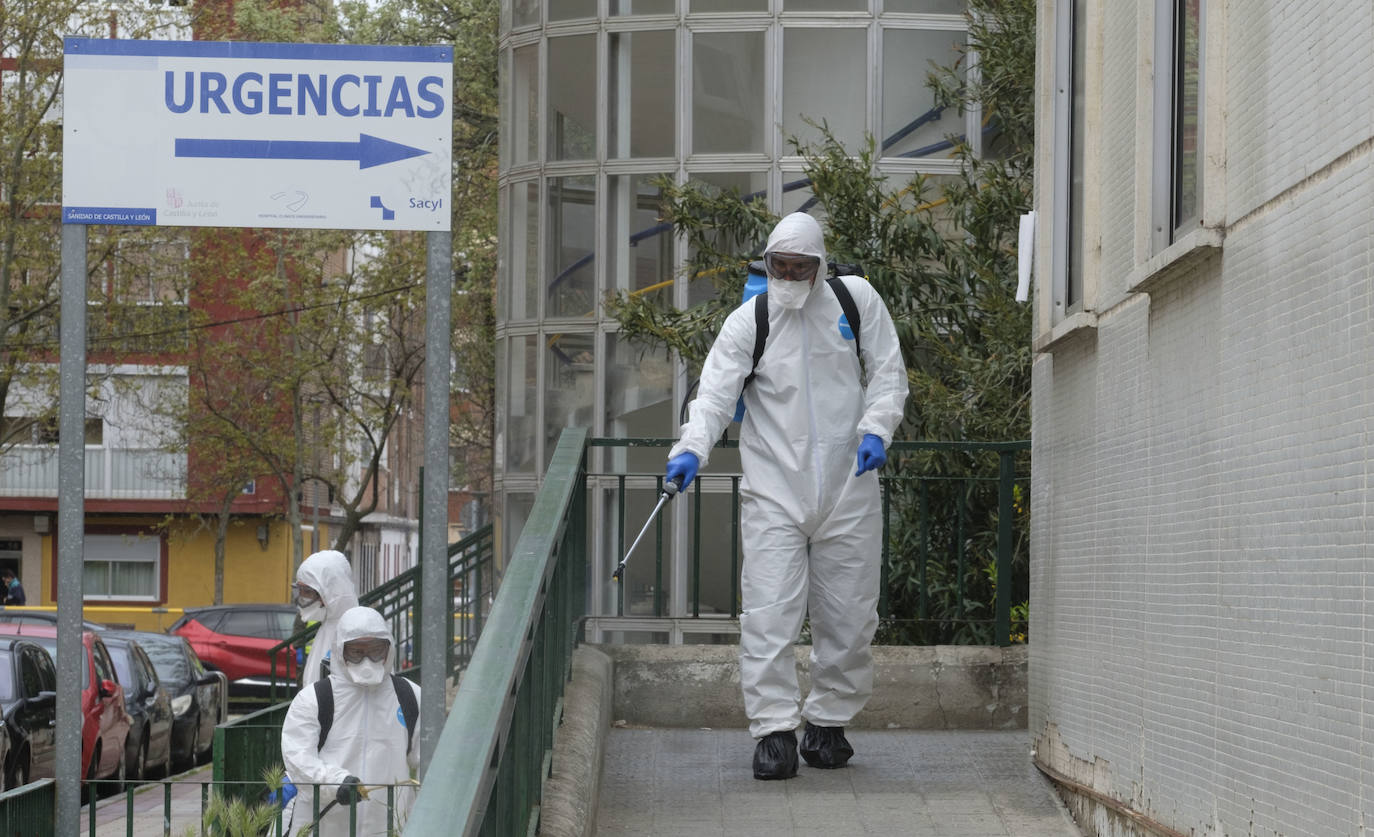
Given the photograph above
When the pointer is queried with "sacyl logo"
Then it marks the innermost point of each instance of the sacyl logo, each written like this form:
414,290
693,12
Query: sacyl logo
387,214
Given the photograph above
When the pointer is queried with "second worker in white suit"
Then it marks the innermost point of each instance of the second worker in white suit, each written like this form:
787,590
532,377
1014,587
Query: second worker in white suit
813,435
354,730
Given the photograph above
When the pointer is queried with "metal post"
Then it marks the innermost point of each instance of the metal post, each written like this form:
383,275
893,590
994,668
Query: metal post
1006,481
71,533
436,593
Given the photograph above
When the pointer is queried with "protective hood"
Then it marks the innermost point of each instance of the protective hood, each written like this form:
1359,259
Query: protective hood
801,234
357,623
329,573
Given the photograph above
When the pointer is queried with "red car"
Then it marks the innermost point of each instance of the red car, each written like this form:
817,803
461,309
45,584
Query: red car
105,725
236,639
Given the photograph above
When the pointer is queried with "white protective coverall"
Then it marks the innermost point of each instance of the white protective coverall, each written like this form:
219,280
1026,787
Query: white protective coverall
329,574
811,529
367,739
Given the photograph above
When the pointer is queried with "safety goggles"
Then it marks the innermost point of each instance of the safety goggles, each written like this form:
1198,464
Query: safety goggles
373,648
305,595
792,267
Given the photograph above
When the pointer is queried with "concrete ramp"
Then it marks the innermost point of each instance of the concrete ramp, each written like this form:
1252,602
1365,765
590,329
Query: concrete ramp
699,783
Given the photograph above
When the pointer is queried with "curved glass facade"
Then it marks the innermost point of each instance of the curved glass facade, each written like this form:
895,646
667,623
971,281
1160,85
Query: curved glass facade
599,98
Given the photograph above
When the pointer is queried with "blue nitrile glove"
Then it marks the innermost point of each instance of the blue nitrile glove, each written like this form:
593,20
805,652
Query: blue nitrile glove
283,796
683,465
871,454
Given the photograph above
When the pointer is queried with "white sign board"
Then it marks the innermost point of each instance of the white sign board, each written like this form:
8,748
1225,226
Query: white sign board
230,134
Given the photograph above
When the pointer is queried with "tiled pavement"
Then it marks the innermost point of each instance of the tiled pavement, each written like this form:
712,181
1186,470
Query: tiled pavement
699,783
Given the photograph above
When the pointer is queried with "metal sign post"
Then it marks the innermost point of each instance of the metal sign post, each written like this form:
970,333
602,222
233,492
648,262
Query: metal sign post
71,530
237,134
436,593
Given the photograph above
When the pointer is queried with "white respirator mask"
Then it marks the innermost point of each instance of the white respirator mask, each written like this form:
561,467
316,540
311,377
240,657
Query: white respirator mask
788,294
313,612
367,672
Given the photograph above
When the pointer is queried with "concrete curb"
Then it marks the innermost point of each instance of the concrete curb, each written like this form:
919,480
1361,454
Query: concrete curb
568,808
914,687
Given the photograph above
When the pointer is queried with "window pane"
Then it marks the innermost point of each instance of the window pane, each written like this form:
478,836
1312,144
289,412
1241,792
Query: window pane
95,579
568,392
930,7
517,511
572,245
504,87
1188,114
797,195
642,85
168,660
131,578
525,13
245,623
524,106
124,672
569,9
641,7
824,5
911,125
281,624
640,251
728,113
639,389
1074,292
524,392
572,98
748,186
502,387
727,5
521,254
829,91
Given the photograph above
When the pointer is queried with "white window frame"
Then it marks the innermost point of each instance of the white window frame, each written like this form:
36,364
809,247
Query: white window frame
124,548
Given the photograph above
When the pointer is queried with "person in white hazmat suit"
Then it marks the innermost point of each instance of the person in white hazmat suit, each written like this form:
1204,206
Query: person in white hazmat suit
323,592
367,742
812,438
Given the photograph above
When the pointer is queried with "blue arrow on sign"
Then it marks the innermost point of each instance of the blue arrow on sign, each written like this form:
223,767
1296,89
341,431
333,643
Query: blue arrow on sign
369,151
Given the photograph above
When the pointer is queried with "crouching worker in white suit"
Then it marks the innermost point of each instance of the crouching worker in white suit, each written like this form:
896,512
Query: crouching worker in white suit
364,744
815,431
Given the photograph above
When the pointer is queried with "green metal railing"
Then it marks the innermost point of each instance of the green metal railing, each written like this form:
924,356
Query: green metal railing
29,809
245,747
209,809
470,562
486,773
953,524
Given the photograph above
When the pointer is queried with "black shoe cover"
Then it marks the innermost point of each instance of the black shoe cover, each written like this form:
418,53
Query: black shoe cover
825,747
775,756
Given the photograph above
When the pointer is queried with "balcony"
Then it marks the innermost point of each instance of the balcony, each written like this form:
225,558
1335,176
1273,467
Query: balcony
111,473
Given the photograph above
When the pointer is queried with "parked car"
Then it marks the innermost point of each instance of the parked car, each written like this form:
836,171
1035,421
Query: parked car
105,723
236,639
28,704
25,615
149,745
200,698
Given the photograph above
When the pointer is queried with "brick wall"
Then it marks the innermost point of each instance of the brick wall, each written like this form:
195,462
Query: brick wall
1202,636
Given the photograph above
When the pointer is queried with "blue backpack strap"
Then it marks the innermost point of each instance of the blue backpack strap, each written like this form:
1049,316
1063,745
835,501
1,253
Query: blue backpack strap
410,709
324,696
760,333
851,311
